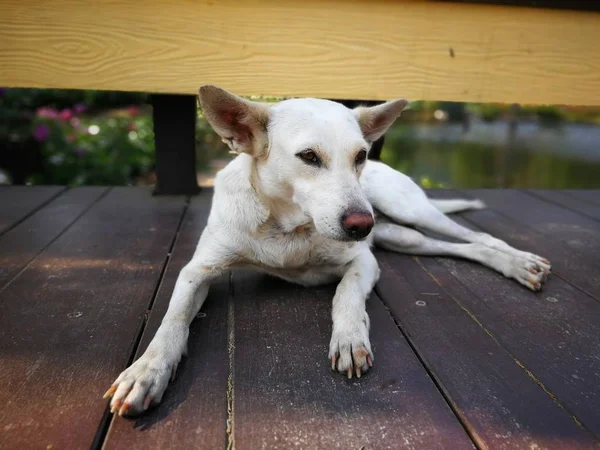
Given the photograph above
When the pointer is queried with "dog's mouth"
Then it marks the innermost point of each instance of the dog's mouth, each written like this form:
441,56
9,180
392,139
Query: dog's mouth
352,237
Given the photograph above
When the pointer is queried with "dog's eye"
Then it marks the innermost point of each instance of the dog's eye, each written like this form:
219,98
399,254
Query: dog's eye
309,157
361,157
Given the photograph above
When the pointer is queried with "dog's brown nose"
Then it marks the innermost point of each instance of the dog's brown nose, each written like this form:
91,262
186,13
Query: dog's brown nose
357,225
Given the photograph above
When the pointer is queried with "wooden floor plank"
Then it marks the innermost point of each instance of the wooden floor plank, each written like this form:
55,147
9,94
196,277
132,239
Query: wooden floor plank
583,272
69,321
571,202
286,395
21,244
496,399
554,333
580,233
589,195
18,202
193,412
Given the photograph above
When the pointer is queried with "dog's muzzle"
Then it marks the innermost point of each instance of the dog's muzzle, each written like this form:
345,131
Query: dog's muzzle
357,225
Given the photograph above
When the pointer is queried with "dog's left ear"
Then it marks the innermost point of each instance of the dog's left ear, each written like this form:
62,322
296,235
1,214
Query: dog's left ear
242,124
375,121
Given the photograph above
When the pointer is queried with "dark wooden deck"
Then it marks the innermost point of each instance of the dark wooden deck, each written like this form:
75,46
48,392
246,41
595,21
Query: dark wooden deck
464,357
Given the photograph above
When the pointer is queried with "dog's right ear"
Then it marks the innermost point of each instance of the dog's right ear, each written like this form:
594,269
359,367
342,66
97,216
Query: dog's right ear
242,124
375,121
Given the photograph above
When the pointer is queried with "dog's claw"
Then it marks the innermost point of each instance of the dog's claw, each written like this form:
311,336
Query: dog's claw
358,372
173,371
349,373
110,392
123,410
115,407
333,361
147,402
369,361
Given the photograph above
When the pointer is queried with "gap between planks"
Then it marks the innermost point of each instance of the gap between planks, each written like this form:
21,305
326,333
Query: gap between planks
477,441
561,205
480,444
26,266
518,224
34,210
108,418
230,425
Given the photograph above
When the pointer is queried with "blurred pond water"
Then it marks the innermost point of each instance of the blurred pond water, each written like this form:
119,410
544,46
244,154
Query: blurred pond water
492,155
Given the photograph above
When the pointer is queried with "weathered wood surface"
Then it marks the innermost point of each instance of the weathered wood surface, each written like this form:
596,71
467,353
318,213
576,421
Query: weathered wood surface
589,195
22,244
571,200
18,202
520,225
286,395
488,389
463,357
371,51
69,322
193,412
572,229
554,334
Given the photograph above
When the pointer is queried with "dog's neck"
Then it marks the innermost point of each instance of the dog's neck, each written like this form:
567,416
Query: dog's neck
277,199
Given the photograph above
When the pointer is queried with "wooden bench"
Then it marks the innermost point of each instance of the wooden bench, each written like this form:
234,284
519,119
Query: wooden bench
366,50
464,357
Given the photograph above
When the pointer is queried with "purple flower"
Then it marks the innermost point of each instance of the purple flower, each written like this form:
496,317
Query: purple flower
2,91
80,151
47,113
79,108
41,132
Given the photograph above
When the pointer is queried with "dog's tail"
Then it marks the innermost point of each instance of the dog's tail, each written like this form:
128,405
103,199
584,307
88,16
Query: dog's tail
456,205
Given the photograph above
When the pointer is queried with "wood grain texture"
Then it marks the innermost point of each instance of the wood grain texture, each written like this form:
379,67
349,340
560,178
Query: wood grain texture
554,334
493,395
69,321
21,244
573,230
193,411
19,202
286,396
324,48
580,270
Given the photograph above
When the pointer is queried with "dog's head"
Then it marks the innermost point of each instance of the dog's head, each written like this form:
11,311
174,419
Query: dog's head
307,151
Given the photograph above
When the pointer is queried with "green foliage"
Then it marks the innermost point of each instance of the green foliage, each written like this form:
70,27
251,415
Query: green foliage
109,149
60,120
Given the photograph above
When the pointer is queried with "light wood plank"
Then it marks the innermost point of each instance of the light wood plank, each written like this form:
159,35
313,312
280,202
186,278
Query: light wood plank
323,48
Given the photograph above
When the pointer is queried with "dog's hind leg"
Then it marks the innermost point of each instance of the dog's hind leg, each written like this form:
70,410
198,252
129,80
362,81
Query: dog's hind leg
401,200
455,205
407,240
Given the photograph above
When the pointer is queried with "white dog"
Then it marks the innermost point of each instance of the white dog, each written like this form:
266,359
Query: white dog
299,203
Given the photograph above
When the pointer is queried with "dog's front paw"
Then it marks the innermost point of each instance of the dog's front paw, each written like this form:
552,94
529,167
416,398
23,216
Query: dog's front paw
142,384
350,350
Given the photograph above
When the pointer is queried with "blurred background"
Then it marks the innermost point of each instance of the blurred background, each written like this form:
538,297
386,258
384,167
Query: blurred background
106,138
